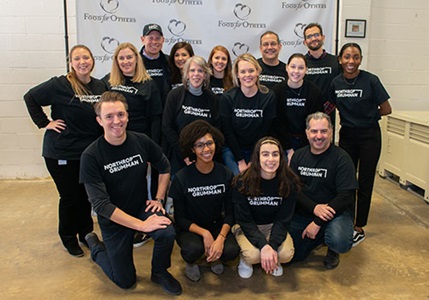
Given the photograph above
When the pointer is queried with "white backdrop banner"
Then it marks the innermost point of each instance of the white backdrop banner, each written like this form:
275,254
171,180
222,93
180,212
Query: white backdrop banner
237,25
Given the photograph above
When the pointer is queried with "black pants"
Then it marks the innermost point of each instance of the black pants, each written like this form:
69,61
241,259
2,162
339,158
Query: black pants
74,211
192,246
115,257
364,147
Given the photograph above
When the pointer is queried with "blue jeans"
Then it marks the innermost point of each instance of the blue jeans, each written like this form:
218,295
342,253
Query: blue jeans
336,234
115,257
229,159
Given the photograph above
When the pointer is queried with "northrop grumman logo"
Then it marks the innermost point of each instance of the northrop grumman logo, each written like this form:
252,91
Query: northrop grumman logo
110,7
242,12
240,48
303,4
299,33
177,28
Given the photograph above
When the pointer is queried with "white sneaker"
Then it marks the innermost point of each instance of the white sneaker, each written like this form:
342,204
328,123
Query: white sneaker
278,272
244,270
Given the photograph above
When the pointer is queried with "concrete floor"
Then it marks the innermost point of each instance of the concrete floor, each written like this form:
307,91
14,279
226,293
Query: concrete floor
391,263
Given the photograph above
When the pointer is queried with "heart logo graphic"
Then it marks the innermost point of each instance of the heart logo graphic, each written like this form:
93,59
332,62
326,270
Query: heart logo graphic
299,30
240,48
109,44
242,11
109,6
176,27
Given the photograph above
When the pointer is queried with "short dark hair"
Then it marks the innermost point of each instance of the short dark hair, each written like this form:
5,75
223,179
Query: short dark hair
269,32
311,25
194,131
317,116
347,45
109,96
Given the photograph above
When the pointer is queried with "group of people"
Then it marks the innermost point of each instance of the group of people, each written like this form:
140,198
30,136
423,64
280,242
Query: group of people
242,148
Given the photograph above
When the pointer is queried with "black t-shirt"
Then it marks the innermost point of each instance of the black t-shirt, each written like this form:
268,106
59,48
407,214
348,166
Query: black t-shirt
216,85
271,75
357,101
322,71
144,106
122,171
77,111
324,177
182,108
246,120
203,199
268,208
293,107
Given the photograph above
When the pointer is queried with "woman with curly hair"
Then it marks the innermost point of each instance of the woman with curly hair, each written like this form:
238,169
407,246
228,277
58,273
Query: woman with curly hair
201,196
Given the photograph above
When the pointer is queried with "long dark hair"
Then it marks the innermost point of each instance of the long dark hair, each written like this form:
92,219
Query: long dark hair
249,182
176,74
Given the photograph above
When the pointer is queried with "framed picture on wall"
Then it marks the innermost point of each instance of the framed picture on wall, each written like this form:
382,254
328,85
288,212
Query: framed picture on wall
355,28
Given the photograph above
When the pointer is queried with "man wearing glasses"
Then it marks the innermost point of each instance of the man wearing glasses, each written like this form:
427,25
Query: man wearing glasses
273,69
322,66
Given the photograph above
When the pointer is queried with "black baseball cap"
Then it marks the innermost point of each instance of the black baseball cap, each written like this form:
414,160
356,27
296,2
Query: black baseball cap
151,27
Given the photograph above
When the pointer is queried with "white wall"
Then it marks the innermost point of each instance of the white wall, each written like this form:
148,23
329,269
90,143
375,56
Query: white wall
32,50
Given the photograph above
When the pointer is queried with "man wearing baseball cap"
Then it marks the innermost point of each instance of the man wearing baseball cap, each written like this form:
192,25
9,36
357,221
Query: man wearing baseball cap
155,61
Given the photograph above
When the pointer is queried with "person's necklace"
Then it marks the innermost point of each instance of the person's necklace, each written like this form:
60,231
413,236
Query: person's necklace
350,81
296,91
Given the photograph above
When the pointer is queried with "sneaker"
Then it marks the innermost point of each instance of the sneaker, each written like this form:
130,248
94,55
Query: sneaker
278,272
217,268
358,237
92,240
332,260
140,239
193,272
244,270
74,250
168,283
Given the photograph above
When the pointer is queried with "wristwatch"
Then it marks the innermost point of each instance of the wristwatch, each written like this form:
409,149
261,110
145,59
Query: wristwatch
160,200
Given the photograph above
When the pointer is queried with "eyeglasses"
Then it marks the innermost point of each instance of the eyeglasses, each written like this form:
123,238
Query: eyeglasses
315,35
200,146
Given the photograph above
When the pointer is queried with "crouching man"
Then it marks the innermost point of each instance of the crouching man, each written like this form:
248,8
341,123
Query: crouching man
114,169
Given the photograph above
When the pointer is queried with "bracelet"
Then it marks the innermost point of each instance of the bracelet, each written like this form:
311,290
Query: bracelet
222,235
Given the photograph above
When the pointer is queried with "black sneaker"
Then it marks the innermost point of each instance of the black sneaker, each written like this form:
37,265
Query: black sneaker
74,250
140,239
332,260
358,237
92,240
168,283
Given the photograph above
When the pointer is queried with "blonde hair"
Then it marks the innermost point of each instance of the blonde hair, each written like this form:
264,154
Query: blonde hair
116,75
252,60
77,85
199,61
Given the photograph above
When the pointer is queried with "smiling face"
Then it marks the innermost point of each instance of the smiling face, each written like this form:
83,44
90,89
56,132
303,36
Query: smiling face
113,118
269,157
270,48
204,149
219,61
313,38
350,61
127,62
196,75
296,69
319,135
153,43
82,63
180,57
247,74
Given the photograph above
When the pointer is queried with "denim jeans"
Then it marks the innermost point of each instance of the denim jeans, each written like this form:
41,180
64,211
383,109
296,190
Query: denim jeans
229,159
336,234
116,256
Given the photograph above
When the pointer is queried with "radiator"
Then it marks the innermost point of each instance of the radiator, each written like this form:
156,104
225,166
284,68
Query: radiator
405,151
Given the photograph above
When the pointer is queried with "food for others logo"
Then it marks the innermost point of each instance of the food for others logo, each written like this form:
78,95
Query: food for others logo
109,6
